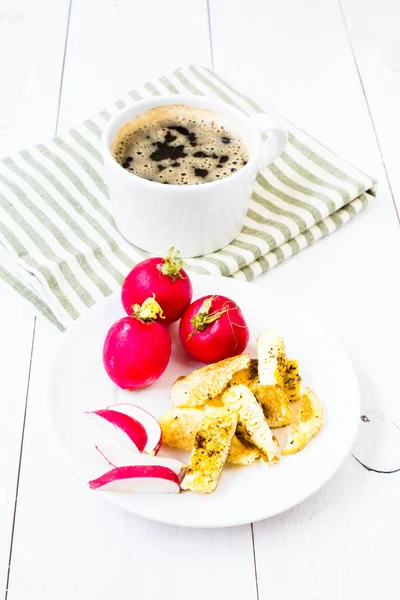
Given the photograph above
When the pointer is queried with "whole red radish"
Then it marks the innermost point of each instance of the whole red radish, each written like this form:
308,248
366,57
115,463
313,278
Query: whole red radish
163,277
137,349
213,328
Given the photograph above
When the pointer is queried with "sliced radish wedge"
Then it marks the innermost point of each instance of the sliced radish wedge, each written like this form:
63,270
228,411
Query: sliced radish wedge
120,429
150,424
122,457
138,479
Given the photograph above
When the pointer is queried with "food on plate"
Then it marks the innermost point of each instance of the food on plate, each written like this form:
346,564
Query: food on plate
307,423
152,479
180,425
213,328
271,358
127,425
271,393
251,423
206,383
137,349
165,279
117,456
247,376
242,453
150,424
211,446
274,402
256,391
292,380
119,429
222,412
136,438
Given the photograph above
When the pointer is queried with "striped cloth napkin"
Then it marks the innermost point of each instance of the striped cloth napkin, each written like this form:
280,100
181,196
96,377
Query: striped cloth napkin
60,250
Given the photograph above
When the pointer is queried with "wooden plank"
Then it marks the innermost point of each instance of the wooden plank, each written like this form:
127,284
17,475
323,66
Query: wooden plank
77,544
31,59
297,58
32,37
70,542
374,38
114,46
285,62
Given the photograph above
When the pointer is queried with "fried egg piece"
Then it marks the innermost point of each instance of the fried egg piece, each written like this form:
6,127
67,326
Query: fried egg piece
180,425
251,422
210,452
307,423
271,371
274,402
292,380
204,384
271,358
242,453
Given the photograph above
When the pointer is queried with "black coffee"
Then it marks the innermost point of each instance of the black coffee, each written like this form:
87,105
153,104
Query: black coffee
180,145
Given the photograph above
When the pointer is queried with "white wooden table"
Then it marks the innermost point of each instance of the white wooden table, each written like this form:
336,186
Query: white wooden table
320,63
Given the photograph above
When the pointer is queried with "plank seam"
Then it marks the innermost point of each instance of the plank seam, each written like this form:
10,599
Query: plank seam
20,461
254,560
63,65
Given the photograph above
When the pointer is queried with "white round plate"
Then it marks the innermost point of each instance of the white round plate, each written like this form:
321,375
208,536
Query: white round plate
245,494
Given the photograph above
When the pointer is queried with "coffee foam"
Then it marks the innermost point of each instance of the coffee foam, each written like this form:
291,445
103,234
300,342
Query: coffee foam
180,145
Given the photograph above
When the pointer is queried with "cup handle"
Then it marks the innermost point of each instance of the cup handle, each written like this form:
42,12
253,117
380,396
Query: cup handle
277,136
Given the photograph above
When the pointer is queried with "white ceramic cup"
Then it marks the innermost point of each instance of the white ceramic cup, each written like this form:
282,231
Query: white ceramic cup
196,219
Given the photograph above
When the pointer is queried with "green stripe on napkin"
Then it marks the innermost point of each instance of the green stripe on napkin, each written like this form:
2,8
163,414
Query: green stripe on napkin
60,250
